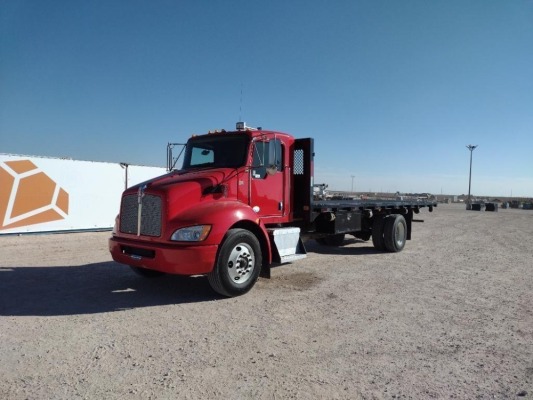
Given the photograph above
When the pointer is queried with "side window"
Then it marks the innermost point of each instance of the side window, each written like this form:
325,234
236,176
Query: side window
268,158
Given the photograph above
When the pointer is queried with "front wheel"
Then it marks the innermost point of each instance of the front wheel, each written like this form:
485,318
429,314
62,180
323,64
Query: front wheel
238,264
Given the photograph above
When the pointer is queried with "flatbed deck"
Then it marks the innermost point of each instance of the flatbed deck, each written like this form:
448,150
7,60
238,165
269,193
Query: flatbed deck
348,204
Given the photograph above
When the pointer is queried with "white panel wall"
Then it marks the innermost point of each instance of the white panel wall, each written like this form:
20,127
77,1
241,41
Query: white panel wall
94,190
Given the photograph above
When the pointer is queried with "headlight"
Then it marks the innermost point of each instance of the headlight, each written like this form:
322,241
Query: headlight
191,233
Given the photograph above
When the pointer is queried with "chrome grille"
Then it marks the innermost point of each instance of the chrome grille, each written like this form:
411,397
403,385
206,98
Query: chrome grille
128,214
150,215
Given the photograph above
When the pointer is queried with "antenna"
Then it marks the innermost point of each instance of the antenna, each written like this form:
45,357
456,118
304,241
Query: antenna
240,105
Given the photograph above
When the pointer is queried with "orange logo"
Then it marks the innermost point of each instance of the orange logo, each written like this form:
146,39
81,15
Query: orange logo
28,196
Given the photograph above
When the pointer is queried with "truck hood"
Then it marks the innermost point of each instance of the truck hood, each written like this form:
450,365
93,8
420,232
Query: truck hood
205,178
182,189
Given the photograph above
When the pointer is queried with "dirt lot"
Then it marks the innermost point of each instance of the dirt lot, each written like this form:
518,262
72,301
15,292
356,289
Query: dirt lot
449,317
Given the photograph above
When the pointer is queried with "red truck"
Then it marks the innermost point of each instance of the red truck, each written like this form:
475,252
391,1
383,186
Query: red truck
242,202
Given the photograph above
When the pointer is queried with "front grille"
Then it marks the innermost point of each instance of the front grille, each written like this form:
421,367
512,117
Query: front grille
128,214
150,215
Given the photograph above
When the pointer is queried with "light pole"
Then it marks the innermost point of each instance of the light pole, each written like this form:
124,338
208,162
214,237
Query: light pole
471,148
353,176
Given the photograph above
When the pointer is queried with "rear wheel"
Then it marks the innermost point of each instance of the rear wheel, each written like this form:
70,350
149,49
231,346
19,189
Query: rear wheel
145,272
395,233
377,233
238,264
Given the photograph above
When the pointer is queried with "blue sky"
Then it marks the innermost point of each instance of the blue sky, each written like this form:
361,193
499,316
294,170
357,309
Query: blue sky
392,91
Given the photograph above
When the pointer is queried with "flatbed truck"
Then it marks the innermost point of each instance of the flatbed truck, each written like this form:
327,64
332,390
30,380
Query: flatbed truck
241,203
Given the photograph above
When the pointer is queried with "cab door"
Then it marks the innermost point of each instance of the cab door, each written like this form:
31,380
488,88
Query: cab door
267,194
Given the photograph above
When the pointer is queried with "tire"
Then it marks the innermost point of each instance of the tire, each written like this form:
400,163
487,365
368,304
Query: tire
377,233
146,273
238,264
395,233
332,240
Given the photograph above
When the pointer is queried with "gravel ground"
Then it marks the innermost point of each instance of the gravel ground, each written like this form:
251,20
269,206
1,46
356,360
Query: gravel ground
451,316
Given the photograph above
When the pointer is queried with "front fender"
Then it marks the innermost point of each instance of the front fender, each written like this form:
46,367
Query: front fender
222,216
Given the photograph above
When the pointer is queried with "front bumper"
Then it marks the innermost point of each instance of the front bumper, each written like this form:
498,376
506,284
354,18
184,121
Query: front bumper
173,259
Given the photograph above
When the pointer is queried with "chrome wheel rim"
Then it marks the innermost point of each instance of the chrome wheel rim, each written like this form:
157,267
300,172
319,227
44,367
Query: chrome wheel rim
241,263
400,234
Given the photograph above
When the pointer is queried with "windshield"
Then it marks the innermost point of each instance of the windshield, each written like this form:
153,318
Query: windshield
216,151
